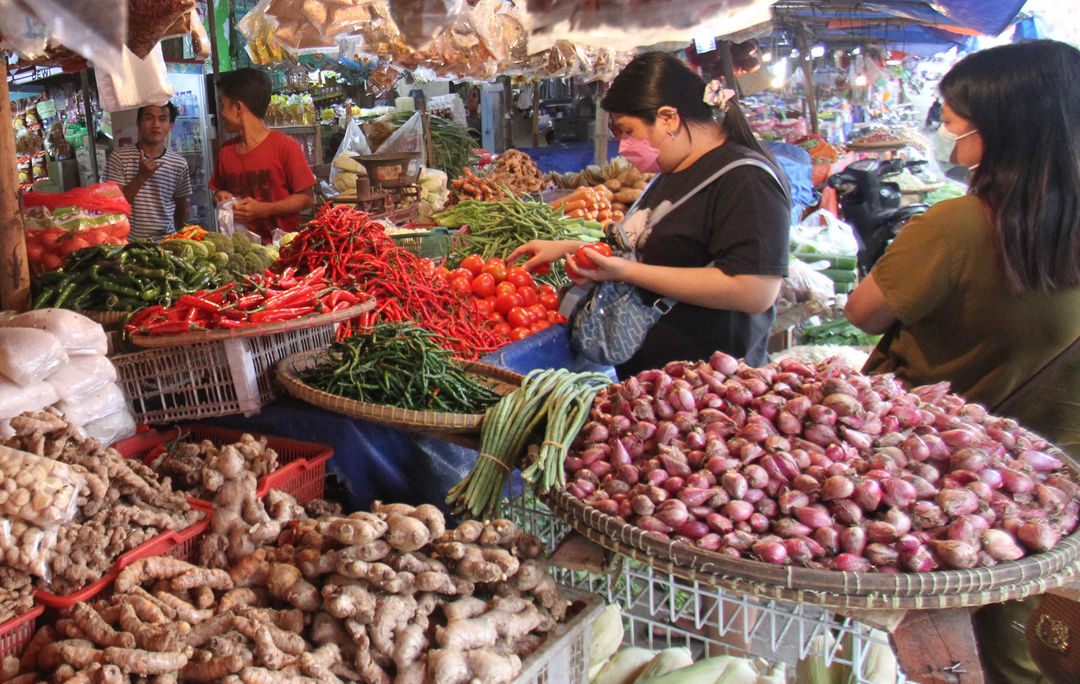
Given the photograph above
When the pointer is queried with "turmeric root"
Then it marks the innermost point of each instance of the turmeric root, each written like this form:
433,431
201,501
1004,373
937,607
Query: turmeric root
287,583
205,666
370,671
320,663
78,653
215,626
289,642
184,610
29,659
141,662
240,597
146,570
202,577
169,637
262,675
97,630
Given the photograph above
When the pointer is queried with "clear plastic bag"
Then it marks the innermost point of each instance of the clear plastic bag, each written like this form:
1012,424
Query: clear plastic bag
804,283
94,29
28,355
822,231
16,399
149,21
82,376
109,399
23,32
226,220
77,333
39,491
28,548
408,138
112,428
138,82
354,142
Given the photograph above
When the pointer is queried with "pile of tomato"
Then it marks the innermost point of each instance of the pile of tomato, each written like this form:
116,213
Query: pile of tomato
507,296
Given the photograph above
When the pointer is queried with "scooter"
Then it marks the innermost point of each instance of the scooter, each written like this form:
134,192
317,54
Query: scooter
873,207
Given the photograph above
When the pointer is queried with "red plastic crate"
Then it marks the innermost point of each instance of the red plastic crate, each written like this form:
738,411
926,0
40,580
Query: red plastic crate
301,474
179,544
16,632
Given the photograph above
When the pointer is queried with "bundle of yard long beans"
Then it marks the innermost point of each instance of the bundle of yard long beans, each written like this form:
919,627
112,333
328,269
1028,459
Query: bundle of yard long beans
358,255
557,398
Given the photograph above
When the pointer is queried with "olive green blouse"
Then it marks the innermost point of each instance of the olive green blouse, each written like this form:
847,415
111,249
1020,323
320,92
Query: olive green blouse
944,279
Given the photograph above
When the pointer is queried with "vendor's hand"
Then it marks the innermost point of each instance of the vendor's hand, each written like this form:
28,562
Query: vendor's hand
607,268
221,196
248,209
147,165
541,253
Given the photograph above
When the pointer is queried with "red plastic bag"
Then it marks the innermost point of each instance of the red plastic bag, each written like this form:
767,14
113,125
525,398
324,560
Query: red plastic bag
105,198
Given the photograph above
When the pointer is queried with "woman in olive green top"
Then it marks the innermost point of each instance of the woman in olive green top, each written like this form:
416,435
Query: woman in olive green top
984,290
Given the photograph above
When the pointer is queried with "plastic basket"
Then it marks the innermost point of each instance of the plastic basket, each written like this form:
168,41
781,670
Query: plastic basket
564,657
431,244
175,543
303,464
207,379
16,632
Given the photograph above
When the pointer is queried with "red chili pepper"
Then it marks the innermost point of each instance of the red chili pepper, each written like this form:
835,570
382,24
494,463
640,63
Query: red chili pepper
286,299
248,301
232,323
288,277
196,302
268,315
173,328
139,316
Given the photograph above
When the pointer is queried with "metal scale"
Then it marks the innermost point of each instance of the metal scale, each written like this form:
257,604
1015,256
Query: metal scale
390,183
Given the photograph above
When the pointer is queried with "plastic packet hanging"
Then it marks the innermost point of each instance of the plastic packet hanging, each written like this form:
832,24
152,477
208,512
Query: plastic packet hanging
92,28
408,138
39,491
23,32
77,333
149,21
139,82
28,548
354,142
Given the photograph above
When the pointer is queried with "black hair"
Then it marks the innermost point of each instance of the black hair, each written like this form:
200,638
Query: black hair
1024,101
173,111
250,86
657,79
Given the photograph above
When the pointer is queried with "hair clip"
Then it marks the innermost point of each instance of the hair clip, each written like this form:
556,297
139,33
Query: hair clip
716,95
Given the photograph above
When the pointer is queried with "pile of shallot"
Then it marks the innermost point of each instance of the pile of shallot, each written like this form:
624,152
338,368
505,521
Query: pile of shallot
819,466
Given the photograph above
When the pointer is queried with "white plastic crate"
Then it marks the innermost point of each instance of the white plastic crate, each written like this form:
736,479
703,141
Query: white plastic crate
564,656
205,379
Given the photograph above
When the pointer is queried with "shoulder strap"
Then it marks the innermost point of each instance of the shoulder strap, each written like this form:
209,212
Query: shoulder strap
746,161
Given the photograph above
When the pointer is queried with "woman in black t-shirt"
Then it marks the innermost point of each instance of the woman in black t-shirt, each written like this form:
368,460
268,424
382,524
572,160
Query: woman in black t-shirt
722,253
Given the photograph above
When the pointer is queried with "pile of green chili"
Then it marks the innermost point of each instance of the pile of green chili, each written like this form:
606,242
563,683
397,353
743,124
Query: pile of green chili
399,364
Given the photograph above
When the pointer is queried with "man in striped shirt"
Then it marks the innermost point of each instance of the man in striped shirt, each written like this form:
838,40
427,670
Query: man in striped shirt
155,180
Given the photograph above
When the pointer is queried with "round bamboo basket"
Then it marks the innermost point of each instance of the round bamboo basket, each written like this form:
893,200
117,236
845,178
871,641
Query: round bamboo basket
428,422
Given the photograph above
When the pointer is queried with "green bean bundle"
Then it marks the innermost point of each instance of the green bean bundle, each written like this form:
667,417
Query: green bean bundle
399,364
558,398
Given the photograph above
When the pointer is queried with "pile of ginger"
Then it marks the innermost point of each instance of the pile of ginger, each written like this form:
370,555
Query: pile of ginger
388,596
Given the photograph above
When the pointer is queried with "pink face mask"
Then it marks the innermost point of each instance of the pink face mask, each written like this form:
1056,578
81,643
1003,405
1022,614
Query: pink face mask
640,153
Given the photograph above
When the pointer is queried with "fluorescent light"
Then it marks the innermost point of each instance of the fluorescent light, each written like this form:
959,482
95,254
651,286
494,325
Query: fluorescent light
767,57
817,51
856,51
795,54
777,82
862,81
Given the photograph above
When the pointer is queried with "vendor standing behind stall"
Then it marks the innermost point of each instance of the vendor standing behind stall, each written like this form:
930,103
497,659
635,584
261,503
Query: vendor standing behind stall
154,180
984,290
266,170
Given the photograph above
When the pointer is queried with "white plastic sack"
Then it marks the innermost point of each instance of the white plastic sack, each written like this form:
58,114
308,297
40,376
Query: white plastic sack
28,355
77,333
139,82
354,142
82,376
16,399
112,428
109,399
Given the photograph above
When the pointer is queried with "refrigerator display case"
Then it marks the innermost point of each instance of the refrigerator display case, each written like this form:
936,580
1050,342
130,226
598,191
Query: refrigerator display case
191,140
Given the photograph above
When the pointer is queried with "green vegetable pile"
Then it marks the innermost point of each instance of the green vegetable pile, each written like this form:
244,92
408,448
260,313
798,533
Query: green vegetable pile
230,256
399,364
122,278
451,144
498,228
839,331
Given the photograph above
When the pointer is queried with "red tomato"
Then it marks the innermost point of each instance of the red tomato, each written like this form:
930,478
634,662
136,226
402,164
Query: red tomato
518,317
546,288
519,277
549,300
581,257
496,317
461,273
528,295
34,250
427,266
518,333
473,263
461,284
496,267
51,262
485,306
505,287
483,285
537,326
72,244
537,311
554,317
501,329
505,302
542,269
443,273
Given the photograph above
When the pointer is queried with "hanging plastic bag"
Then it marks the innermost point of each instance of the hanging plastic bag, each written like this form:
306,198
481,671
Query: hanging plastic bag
23,32
137,83
408,138
104,198
149,22
92,28
354,142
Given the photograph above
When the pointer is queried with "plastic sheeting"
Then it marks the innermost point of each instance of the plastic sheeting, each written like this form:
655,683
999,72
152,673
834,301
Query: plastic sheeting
986,16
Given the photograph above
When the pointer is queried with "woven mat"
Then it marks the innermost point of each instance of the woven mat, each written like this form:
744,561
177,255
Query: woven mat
428,422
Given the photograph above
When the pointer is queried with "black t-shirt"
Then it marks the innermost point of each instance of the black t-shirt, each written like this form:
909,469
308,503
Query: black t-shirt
740,223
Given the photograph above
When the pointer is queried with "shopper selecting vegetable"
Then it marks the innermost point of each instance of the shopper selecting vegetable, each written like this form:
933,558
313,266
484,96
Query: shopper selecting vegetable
822,467
399,364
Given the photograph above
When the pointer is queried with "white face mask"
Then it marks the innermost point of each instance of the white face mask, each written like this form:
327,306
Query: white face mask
951,138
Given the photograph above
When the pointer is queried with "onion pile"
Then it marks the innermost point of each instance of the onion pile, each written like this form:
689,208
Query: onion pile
819,466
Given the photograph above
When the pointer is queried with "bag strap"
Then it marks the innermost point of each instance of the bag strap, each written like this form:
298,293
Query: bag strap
1018,393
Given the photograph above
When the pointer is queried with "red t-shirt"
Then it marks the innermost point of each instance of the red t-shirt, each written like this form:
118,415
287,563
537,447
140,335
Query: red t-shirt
275,169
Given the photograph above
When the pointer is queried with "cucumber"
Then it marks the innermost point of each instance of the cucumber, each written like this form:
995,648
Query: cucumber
840,275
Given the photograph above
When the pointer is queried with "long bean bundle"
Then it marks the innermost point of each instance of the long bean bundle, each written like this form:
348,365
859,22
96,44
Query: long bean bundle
560,398
498,228
399,364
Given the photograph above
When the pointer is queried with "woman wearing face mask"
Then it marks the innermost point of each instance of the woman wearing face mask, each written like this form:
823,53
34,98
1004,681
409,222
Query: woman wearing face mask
722,252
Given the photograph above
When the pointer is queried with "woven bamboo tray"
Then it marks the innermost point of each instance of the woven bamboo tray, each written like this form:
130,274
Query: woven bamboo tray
300,323
1030,575
110,320
391,416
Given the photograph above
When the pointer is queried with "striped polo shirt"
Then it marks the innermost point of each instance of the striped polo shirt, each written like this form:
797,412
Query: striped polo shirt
154,207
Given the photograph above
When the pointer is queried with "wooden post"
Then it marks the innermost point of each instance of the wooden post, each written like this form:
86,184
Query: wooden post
600,130
91,130
807,64
536,114
14,270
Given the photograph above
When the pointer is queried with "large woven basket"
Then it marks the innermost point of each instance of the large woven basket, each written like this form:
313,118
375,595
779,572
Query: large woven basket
286,373
826,588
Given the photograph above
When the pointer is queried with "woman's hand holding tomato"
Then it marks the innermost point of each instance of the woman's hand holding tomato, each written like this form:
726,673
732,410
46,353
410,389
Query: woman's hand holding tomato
592,264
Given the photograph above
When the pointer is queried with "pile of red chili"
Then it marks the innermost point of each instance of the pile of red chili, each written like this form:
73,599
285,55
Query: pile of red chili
256,300
358,255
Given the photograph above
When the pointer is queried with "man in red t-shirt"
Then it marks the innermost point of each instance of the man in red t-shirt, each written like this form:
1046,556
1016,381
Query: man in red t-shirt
266,169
